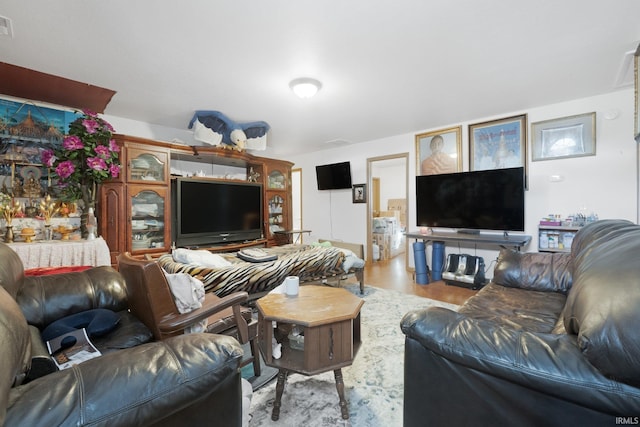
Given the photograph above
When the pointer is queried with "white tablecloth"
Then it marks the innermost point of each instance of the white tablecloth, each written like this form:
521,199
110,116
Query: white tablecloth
63,253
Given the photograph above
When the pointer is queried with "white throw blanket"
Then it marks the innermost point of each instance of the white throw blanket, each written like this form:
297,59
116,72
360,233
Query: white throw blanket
188,293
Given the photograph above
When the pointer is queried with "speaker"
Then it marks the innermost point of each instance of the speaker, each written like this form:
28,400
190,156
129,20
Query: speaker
464,270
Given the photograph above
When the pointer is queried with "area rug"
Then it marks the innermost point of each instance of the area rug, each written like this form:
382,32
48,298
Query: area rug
373,383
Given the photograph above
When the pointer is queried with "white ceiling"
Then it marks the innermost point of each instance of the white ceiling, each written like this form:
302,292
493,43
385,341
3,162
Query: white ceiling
387,67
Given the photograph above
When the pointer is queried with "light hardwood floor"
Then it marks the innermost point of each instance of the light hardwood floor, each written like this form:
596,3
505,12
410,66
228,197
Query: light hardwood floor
392,274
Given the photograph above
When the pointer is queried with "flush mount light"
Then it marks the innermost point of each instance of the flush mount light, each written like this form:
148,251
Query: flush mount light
305,87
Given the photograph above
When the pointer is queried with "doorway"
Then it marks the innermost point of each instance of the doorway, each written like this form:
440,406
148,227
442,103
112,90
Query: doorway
387,217
296,201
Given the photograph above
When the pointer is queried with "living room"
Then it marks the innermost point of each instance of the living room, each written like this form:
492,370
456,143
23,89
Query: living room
604,182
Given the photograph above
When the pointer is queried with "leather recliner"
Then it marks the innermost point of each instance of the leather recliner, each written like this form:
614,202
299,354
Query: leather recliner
186,380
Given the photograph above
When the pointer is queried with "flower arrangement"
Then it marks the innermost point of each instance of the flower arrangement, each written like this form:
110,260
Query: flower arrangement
88,156
48,209
10,210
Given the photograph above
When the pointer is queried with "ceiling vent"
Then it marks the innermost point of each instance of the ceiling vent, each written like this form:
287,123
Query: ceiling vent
5,27
626,70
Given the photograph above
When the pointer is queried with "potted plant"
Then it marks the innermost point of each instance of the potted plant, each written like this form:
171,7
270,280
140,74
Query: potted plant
87,156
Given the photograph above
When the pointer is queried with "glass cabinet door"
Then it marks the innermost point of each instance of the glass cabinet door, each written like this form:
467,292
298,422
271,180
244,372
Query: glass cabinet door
148,215
276,180
147,166
276,217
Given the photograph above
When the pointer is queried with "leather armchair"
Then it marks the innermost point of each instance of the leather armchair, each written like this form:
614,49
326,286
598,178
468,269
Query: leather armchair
182,380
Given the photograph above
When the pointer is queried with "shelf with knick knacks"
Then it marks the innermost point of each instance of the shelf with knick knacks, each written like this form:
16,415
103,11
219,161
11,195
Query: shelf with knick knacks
28,220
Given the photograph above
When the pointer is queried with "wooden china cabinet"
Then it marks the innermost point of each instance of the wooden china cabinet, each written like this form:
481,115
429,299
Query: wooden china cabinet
135,208
277,199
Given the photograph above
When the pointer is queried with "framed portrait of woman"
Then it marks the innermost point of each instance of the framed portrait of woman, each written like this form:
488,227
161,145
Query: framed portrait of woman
439,151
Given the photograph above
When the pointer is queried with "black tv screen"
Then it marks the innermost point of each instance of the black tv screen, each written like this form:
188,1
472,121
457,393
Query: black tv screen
208,212
479,200
335,176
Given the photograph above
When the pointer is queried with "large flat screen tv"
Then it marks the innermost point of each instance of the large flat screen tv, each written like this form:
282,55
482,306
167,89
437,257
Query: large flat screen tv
479,200
208,212
335,176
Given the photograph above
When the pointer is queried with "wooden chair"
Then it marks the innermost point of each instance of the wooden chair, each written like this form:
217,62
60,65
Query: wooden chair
151,301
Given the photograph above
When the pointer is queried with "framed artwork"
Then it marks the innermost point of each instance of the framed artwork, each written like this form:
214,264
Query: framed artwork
359,193
439,151
572,136
498,144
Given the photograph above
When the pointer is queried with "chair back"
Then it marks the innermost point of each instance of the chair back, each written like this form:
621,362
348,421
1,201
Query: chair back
150,298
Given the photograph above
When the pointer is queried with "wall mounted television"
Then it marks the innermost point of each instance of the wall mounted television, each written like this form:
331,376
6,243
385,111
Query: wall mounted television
335,176
472,201
207,212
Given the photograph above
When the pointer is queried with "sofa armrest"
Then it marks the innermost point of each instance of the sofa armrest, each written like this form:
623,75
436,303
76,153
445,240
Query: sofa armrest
547,363
138,386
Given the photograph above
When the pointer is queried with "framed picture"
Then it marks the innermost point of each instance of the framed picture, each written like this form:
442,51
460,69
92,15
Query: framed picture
439,151
572,136
498,144
359,193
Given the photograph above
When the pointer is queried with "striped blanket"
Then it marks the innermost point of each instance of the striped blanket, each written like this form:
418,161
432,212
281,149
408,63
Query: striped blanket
305,261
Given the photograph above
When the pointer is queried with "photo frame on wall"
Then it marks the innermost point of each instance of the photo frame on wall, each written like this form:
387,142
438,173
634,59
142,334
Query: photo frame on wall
359,193
498,144
439,151
572,136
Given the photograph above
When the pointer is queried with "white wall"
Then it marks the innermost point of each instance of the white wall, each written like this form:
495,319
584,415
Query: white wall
605,183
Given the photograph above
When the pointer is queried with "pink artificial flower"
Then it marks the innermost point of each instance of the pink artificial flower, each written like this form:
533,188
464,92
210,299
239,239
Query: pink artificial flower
113,146
89,113
72,143
114,170
103,151
108,126
90,125
48,158
65,169
96,163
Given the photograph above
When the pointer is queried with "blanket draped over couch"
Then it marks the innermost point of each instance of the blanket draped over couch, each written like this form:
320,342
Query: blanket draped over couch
554,339
305,261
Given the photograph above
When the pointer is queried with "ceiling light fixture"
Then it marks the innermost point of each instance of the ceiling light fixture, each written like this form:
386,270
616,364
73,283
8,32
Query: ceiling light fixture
305,87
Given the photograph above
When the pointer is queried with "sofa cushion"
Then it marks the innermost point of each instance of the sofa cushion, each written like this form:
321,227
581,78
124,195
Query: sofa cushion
533,271
532,311
602,307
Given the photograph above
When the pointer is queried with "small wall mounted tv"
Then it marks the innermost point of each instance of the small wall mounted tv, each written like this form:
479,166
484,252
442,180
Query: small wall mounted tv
472,201
335,176
207,212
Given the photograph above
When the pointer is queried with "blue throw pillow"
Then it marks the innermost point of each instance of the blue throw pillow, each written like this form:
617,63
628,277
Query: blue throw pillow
97,322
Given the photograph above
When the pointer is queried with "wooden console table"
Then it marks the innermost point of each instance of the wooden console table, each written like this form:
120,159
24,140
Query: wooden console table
515,241
63,253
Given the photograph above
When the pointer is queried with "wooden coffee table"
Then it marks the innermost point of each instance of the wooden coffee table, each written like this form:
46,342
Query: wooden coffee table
331,321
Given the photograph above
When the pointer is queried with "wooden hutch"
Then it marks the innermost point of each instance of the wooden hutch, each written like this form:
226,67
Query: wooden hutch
135,208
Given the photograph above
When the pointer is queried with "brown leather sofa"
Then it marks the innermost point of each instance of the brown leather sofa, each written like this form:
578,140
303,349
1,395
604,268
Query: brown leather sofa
553,340
186,380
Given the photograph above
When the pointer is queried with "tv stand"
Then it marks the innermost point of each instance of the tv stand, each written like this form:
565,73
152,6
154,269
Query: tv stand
505,240
235,246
